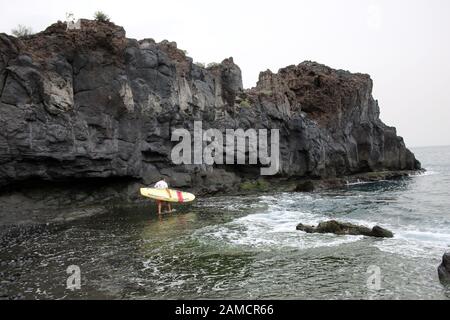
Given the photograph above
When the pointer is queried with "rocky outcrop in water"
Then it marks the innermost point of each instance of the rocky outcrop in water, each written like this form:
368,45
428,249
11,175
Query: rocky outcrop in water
444,269
342,228
91,106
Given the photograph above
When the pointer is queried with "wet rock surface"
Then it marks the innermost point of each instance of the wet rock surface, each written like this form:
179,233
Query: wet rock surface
444,269
343,228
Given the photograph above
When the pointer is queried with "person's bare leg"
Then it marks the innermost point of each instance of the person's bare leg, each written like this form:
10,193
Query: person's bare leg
159,207
170,207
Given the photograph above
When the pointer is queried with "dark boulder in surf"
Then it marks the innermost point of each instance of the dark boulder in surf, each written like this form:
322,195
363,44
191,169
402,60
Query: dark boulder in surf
444,269
343,228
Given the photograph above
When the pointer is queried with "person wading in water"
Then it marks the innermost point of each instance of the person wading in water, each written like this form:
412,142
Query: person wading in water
162,184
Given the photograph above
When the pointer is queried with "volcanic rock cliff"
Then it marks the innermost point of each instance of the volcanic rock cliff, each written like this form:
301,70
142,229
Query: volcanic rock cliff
92,107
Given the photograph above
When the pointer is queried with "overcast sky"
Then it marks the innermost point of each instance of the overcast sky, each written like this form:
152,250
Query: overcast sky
403,44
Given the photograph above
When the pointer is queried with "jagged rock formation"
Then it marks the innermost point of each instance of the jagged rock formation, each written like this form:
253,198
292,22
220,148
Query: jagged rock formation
93,104
444,269
342,228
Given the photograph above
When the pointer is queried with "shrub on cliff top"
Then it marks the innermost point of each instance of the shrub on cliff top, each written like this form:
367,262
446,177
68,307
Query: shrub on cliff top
101,16
22,31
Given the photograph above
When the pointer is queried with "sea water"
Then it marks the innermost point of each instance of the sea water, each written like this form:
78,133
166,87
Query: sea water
247,247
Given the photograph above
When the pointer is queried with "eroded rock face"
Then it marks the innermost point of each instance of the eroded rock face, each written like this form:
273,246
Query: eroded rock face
93,104
342,228
444,269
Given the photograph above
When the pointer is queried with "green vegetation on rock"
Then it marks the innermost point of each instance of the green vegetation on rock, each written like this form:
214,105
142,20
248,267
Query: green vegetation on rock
267,92
245,103
258,185
101,16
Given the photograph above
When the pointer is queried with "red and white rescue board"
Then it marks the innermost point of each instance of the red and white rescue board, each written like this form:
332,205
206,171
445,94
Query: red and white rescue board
168,195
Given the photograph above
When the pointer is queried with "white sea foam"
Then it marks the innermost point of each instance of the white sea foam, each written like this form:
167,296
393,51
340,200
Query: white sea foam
273,228
274,225
424,174
359,182
412,248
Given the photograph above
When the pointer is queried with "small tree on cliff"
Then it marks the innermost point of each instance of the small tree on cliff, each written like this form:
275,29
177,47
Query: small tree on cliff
22,31
101,16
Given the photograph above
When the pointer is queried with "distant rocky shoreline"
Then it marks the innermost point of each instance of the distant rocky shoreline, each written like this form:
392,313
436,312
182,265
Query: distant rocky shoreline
87,115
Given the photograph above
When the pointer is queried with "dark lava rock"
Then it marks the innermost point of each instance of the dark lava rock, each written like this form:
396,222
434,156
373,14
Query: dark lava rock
91,107
342,228
380,232
444,269
305,186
